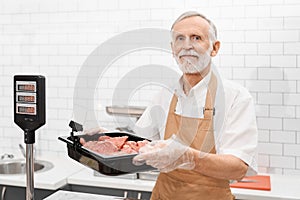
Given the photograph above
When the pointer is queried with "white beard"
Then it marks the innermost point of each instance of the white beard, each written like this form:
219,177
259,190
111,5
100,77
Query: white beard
189,66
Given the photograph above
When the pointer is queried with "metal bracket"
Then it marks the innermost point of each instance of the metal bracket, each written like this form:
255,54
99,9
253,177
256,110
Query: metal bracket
205,109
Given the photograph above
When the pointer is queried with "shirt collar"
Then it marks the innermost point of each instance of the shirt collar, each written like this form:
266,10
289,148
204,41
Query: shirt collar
201,86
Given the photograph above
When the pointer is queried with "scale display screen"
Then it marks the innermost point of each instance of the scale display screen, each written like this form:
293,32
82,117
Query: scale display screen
26,86
26,109
26,97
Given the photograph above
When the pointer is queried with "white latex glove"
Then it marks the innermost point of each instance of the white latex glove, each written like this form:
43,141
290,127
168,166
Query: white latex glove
166,155
95,131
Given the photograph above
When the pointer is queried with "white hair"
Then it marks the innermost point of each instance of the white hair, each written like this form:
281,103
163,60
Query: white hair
212,27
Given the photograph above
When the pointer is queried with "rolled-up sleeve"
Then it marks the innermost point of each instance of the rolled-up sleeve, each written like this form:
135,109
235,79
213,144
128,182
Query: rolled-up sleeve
239,135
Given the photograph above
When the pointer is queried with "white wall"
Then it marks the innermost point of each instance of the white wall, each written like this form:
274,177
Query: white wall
260,49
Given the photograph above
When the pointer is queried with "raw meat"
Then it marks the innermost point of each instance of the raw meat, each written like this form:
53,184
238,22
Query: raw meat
118,141
142,143
102,147
103,138
133,145
113,145
127,149
82,141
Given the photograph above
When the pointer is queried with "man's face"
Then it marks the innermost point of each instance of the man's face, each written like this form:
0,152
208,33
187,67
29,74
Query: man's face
191,45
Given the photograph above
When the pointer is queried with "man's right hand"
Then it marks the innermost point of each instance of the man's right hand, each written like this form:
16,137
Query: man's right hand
95,131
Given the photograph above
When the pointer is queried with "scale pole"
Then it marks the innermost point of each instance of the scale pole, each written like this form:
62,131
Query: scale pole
29,139
29,172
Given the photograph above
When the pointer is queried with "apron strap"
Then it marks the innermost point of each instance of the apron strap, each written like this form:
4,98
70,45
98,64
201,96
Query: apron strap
209,109
173,104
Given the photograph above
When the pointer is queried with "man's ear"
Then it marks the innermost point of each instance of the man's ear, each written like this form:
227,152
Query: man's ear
216,47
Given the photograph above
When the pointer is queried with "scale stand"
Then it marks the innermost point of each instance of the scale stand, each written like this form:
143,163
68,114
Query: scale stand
29,115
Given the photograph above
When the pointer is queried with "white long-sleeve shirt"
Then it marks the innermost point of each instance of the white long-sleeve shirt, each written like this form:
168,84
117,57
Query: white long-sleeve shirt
235,129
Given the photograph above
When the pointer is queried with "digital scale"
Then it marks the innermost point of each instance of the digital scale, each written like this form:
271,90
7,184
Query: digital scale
29,115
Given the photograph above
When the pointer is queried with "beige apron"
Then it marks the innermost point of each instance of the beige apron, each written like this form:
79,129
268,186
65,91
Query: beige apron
198,133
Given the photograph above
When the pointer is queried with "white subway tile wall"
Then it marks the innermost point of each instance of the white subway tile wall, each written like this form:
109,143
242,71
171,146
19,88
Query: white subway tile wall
260,48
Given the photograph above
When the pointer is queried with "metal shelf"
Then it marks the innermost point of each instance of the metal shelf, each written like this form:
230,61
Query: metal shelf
129,111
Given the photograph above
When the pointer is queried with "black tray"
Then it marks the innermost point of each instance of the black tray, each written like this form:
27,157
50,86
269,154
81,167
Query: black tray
105,164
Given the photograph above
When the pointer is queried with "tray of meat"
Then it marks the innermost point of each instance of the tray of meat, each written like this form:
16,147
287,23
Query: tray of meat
109,153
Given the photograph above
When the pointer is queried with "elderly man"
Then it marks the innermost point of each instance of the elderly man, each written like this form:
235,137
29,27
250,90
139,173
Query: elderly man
197,161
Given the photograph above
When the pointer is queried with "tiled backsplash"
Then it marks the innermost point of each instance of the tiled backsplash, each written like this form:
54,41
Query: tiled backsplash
260,48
